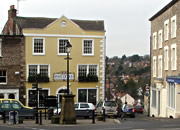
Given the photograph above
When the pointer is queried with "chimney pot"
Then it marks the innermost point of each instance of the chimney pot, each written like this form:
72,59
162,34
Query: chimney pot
12,7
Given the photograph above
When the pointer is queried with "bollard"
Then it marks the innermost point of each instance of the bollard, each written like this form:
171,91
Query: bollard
4,117
104,115
37,118
14,116
45,113
40,118
93,117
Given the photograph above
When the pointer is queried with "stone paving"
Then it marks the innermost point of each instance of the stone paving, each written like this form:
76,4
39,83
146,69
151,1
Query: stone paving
30,123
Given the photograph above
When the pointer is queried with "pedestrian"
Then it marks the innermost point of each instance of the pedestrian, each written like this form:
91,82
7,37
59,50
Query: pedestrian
124,110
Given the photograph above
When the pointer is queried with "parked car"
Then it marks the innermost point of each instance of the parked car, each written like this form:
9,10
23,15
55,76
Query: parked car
8,105
57,110
111,108
84,109
130,111
138,109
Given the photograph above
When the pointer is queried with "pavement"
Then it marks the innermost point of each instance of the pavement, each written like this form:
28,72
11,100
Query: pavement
31,123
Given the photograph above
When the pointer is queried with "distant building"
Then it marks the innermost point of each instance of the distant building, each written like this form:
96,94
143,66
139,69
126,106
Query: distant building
165,60
127,98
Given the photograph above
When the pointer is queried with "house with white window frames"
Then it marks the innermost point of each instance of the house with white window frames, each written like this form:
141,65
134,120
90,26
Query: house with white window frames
165,80
45,55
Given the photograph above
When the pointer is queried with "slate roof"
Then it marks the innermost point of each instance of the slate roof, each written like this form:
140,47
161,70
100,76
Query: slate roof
163,9
41,22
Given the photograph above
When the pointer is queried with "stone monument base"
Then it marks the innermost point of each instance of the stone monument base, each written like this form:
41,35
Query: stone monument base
68,114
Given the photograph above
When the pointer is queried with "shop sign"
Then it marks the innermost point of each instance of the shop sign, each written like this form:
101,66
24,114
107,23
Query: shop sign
63,76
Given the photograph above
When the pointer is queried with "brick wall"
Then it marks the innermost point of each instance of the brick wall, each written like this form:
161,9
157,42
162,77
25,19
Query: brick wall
13,60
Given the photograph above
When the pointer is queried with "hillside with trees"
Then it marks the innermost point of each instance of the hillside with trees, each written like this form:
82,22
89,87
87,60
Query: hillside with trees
127,75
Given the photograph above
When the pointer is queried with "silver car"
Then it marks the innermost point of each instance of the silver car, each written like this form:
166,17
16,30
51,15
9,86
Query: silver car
110,107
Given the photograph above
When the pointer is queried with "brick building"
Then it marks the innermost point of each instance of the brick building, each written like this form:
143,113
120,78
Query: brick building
165,61
12,67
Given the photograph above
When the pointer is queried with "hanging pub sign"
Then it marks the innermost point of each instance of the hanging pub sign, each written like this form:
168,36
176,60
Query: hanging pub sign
63,76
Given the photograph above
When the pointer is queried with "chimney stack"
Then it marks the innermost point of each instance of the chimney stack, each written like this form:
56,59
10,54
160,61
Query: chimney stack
12,12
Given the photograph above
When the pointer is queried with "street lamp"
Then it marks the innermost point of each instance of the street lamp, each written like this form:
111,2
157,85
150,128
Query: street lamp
68,115
68,49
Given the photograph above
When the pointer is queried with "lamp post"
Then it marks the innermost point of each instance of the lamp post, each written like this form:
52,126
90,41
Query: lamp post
68,49
68,115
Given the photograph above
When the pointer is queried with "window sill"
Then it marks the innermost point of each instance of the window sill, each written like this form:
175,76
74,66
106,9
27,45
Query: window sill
88,55
173,37
38,54
172,109
3,83
63,54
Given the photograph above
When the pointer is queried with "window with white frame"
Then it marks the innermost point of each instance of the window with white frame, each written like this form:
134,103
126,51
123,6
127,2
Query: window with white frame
41,96
84,70
166,30
160,66
38,46
3,76
166,58
173,57
160,39
88,47
154,66
173,27
0,47
87,95
154,40
61,46
43,70
154,98
171,95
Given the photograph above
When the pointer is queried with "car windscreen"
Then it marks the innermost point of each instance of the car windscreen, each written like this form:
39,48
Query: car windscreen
76,105
84,106
110,104
5,106
138,107
5,101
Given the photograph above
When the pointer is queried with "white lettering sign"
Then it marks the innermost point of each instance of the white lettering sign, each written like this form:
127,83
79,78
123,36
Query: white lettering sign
63,76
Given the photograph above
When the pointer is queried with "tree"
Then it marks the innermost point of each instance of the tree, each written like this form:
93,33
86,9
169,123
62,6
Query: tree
134,58
131,88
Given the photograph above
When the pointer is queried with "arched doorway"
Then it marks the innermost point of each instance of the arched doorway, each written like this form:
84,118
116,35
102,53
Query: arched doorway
11,96
61,91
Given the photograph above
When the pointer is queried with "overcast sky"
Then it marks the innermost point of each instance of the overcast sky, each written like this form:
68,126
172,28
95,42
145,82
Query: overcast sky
126,21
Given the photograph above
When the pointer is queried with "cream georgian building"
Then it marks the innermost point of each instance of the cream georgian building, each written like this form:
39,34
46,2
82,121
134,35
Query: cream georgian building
45,54
165,62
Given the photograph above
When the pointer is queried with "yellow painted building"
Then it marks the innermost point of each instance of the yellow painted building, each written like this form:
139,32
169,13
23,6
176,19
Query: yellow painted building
45,40
44,43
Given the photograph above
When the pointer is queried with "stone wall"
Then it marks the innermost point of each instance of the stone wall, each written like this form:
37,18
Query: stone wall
13,60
